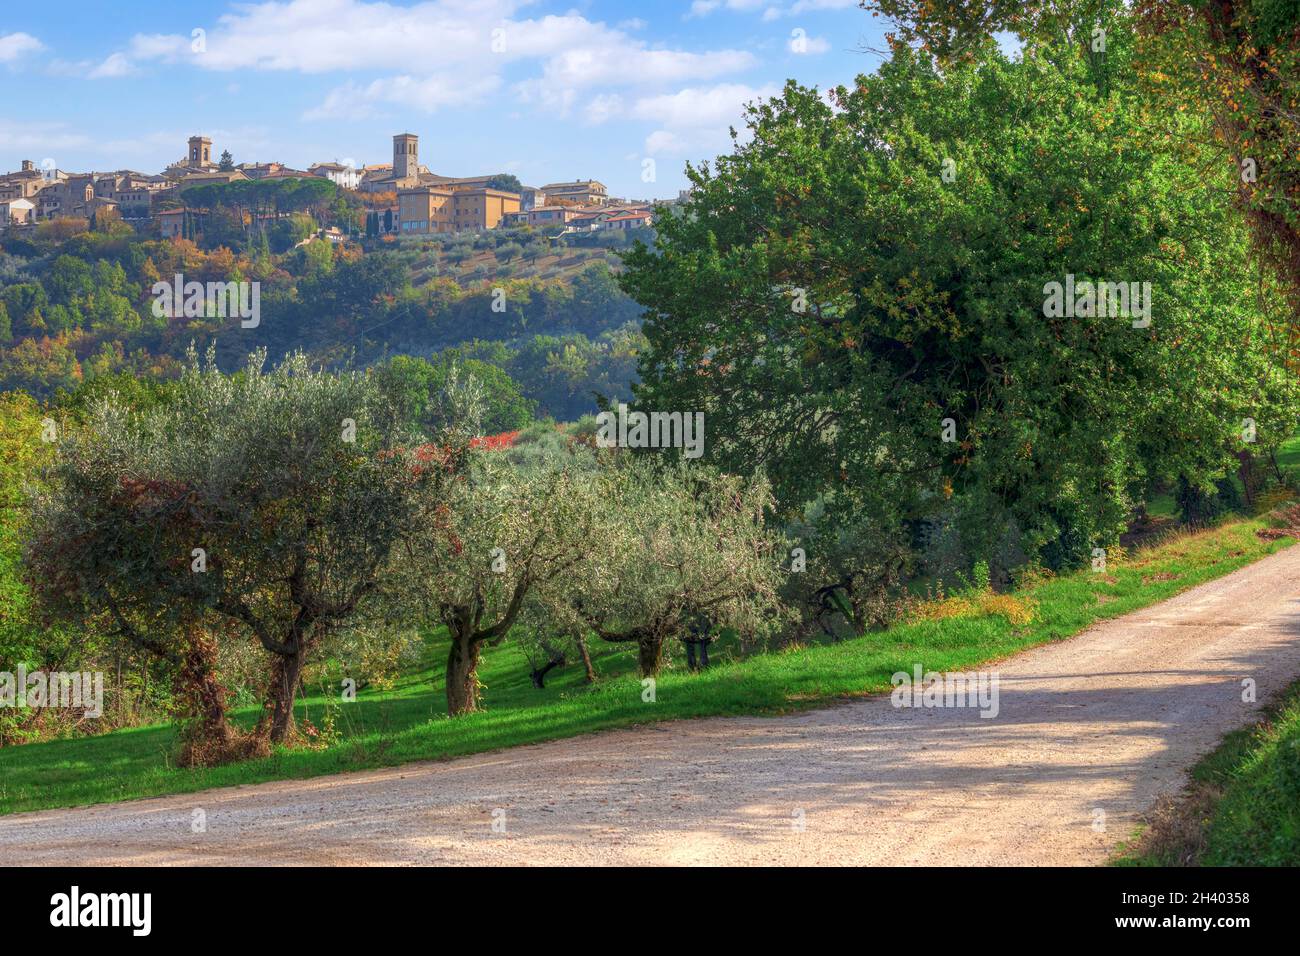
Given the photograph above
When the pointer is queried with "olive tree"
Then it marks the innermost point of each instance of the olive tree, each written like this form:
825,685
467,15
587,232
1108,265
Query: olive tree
493,537
262,506
682,549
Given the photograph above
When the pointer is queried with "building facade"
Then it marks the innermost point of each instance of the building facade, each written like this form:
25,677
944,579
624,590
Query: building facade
584,192
345,177
423,210
434,209
16,212
481,208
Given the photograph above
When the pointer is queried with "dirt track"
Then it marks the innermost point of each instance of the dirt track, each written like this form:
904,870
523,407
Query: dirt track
1090,732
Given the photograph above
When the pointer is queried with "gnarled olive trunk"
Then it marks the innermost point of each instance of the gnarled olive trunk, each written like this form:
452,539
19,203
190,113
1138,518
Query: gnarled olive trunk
286,672
586,658
462,675
650,653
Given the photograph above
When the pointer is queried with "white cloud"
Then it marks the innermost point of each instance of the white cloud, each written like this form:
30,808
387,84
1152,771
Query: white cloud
115,65
159,46
15,45
428,44
803,45
423,93
718,106
320,36
587,67
340,35
604,107
702,8
35,137
696,119
801,5
664,141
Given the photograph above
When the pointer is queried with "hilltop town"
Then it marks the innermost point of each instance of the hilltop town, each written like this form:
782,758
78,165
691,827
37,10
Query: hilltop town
400,198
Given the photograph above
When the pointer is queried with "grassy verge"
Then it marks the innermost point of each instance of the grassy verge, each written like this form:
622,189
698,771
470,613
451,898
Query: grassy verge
1242,807
406,722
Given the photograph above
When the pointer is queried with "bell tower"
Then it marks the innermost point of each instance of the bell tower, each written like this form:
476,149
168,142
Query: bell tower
406,155
200,153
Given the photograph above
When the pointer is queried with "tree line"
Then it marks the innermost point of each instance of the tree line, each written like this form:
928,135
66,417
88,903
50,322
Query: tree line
286,506
82,307
860,297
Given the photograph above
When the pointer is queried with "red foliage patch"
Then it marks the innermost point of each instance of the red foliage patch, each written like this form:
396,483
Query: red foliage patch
495,442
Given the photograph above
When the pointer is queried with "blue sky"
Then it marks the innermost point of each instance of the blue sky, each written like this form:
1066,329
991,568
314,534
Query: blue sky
547,91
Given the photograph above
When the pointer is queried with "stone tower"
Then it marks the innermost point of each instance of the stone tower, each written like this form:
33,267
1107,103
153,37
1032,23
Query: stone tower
200,153
406,156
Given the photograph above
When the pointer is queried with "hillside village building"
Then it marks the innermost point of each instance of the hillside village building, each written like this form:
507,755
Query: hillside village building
434,209
345,177
171,223
16,212
24,184
583,192
408,199
405,171
198,159
272,171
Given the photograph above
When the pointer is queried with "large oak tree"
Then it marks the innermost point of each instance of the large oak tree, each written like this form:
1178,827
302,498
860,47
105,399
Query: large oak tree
857,298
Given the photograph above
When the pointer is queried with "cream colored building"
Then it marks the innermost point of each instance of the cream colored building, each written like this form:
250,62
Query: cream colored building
423,210
198,159
171,223
16,212
216,177
481,208
584,192
405,172
26,182
433,209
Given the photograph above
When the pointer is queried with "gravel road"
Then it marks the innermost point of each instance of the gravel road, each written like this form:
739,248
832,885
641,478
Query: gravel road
1089,733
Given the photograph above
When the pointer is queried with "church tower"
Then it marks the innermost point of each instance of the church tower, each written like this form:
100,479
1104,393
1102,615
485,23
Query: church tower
406,156
200,153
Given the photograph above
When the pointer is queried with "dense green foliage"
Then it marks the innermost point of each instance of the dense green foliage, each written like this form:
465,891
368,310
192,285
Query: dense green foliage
413,386
1257,821
255,213
854,278
278,510
1234,63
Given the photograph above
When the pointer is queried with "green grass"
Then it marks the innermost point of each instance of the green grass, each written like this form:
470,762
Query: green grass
406,722
1242,807
1257,821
